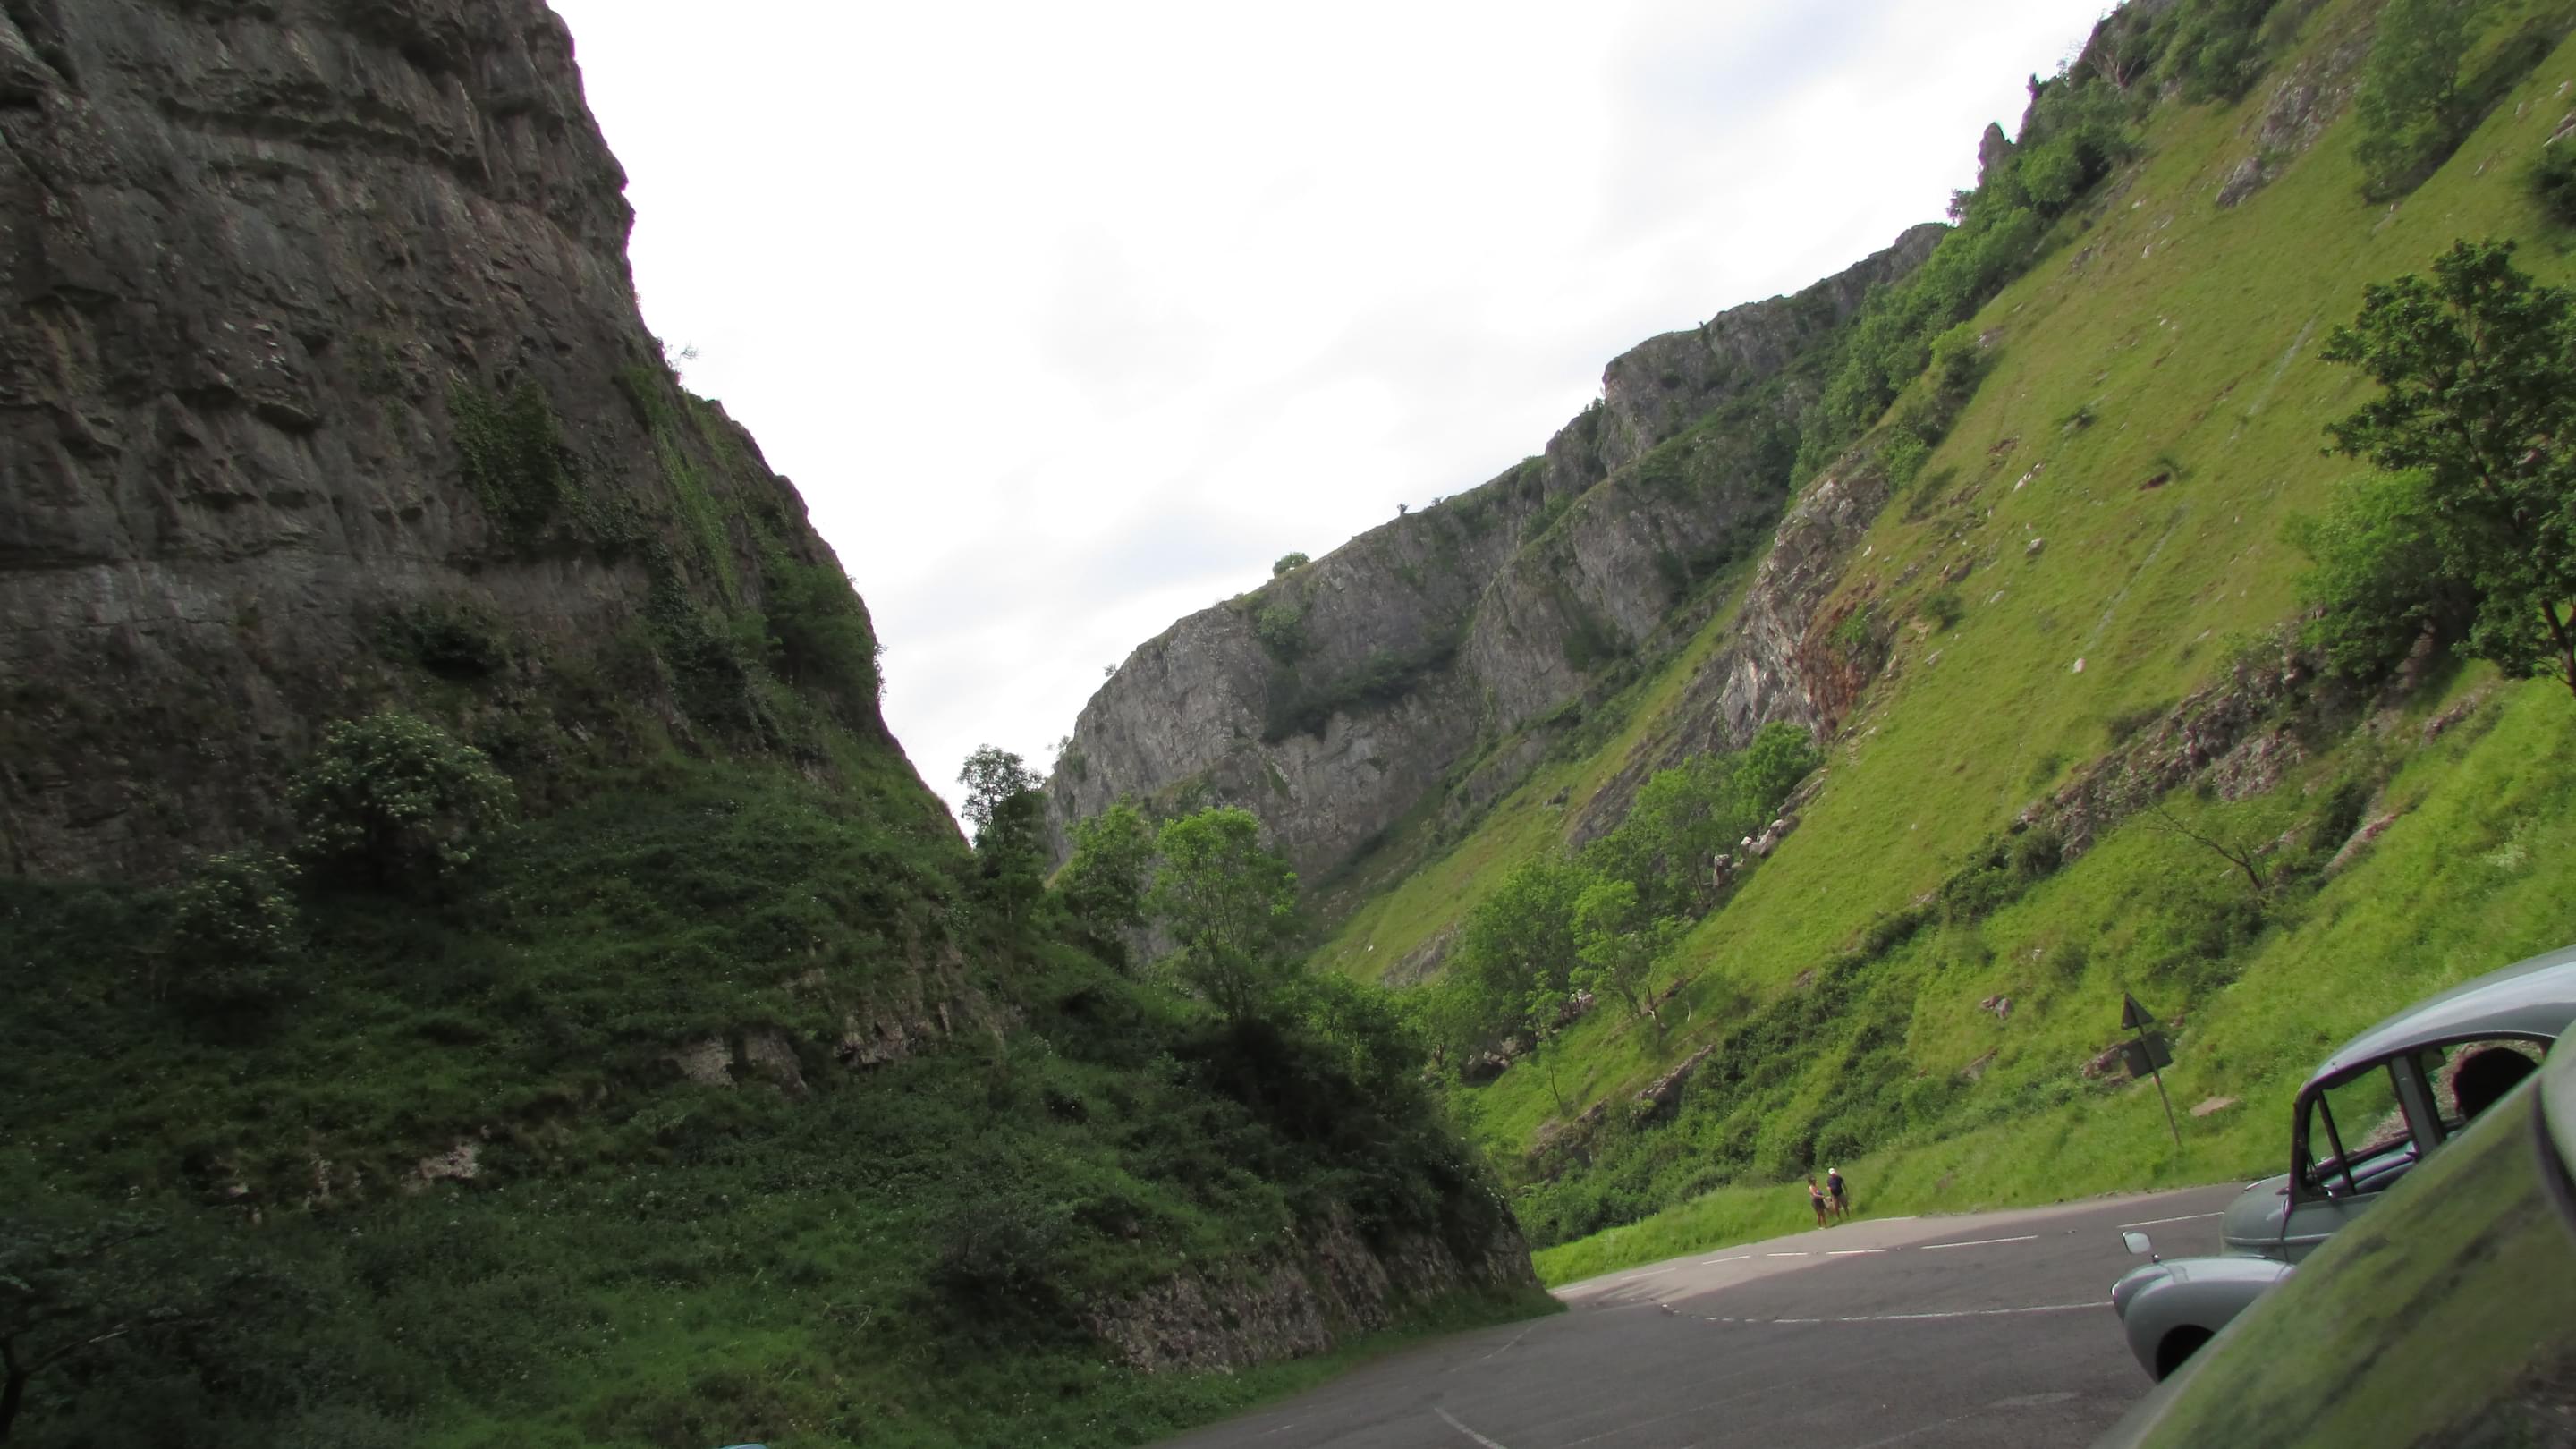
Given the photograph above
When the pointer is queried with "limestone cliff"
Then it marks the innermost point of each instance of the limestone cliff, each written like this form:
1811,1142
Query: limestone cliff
1343,695
319,334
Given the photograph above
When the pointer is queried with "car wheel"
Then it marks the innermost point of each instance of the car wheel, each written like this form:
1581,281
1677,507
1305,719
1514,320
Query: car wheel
2179,1345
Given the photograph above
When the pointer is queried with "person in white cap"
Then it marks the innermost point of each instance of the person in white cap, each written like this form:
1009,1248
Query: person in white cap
1834,1185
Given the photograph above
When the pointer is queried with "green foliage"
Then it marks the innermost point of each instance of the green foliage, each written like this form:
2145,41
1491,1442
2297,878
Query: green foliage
2551,181
821,638
1618,945
1280,625
822,1259
2214,48
514,457
993,775
1943,609
2375,569
396,800
86,1296
1287,561
1102,886
2478,368
234,931
1229,907
2410,105
460,640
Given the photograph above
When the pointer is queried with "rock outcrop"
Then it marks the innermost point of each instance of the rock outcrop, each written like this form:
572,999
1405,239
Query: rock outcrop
319,332
1338,698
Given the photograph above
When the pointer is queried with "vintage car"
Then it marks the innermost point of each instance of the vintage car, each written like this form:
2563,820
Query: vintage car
2447,1318
2377,1107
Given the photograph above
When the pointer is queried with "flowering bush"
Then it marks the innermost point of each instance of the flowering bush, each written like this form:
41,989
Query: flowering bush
233,927
398,800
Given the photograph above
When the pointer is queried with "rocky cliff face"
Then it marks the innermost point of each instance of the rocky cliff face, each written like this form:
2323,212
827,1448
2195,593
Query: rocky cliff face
1341,696
318,334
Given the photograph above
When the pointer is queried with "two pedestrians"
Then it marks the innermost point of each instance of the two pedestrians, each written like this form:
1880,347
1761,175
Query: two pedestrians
1833,1207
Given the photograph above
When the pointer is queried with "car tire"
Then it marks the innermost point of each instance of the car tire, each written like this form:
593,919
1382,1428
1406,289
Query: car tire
2178,1347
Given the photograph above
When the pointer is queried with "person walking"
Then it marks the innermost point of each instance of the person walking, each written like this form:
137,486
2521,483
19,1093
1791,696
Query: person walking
1816,1200
1834,1189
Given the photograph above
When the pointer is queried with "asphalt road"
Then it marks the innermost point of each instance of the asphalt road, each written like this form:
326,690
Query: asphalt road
1993,1330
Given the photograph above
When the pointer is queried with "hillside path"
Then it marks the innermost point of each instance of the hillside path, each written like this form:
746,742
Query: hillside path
1992,1330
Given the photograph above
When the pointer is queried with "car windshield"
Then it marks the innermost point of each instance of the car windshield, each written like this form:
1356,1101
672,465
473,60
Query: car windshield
2356,1130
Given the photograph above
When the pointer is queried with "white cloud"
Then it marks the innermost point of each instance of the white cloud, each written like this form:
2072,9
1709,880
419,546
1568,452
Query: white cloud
1068,320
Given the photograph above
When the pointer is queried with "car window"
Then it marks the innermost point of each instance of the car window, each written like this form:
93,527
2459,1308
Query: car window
2476,1073
2356,1131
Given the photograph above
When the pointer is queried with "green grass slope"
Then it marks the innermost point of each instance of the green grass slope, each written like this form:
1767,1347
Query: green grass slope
2116,493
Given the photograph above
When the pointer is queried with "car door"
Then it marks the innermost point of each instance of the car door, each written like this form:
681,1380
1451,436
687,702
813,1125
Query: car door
2357,1136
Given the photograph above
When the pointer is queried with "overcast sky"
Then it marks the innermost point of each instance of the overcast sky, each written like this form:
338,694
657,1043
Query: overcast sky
1067,320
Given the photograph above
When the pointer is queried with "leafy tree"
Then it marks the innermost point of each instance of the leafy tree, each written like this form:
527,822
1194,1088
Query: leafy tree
820,636
2410,105
1618,944
1230,905
79,1288
991,776
233,928
2552,183
2376,565
1515,952
397,800
1009,815
1289,561
1102,887
2479,367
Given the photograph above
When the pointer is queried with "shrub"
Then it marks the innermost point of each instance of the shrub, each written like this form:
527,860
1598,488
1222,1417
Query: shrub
453,640
2552,183
233,928
396,800
820,635
1281,628
2410,106
1943,608
514,456
1287,561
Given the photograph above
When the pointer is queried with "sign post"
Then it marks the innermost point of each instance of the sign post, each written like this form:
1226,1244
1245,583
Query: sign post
2149,1054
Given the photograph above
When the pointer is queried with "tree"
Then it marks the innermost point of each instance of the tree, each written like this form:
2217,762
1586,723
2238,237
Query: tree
991,776
1229,905
2479,367
1289,561
397,800
1009,816
1516,949
1102,887
1618,944
233,930
2409,103
81,1285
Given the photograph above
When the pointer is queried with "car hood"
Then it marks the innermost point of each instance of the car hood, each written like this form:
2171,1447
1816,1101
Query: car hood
2252,1224
2258,1273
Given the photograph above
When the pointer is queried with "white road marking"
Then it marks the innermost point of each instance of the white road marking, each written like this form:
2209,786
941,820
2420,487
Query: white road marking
1649,1273
1784,1255
1851,1252
2186,1218
1515,1343
1453,1423
1738,1258
1920,1317
1983,1242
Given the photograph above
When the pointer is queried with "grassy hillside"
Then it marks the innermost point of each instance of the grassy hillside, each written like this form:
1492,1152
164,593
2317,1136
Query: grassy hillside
2111,506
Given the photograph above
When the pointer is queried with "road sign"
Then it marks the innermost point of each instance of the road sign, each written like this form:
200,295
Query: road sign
2148,1054
2133,1017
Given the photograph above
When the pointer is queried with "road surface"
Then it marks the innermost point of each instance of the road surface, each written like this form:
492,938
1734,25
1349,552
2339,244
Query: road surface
1981,1332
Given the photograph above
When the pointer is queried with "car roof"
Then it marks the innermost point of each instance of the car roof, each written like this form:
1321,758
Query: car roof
2534,998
